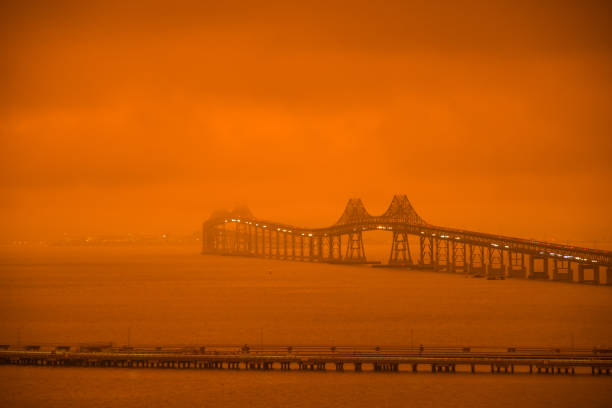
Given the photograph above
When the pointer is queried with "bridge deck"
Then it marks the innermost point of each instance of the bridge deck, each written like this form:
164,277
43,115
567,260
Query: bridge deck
435,359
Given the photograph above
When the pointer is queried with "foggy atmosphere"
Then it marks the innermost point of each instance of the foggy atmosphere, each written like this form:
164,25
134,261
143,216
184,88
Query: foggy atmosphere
305,203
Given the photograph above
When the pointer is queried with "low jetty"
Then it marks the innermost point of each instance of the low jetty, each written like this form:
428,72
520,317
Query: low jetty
495,360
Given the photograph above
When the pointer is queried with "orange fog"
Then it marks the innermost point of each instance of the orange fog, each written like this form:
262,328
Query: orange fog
146,118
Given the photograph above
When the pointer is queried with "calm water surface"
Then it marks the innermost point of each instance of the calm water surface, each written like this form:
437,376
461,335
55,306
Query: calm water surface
163,295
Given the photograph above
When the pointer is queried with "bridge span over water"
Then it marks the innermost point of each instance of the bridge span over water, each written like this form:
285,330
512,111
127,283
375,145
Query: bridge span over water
445,249
447,359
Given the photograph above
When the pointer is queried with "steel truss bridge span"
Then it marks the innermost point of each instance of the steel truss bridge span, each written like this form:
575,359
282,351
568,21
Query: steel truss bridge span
239,232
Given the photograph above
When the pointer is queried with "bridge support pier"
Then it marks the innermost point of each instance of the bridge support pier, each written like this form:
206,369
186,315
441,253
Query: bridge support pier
496,268
458,262
285,251
476,261
320,249
400,249
269,244
582,267
516,264
533,274
301,248
426,252
310,249
277,245
355,251
441,255
562,270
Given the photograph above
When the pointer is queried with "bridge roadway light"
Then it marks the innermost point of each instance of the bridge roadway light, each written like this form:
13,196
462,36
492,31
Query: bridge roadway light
506,246
495,245
310,235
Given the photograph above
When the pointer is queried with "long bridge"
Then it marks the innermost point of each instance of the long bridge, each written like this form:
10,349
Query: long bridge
444,249
508,360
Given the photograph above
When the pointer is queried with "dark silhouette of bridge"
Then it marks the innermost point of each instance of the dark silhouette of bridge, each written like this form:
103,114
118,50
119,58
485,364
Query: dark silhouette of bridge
239,232
532,360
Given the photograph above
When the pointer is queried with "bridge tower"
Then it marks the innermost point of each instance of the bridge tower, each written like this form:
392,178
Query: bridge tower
400,249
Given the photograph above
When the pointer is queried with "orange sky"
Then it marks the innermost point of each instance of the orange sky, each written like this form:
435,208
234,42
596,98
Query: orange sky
489,117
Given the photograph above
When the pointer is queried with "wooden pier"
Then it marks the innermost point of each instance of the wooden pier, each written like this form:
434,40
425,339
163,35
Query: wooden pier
494,360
